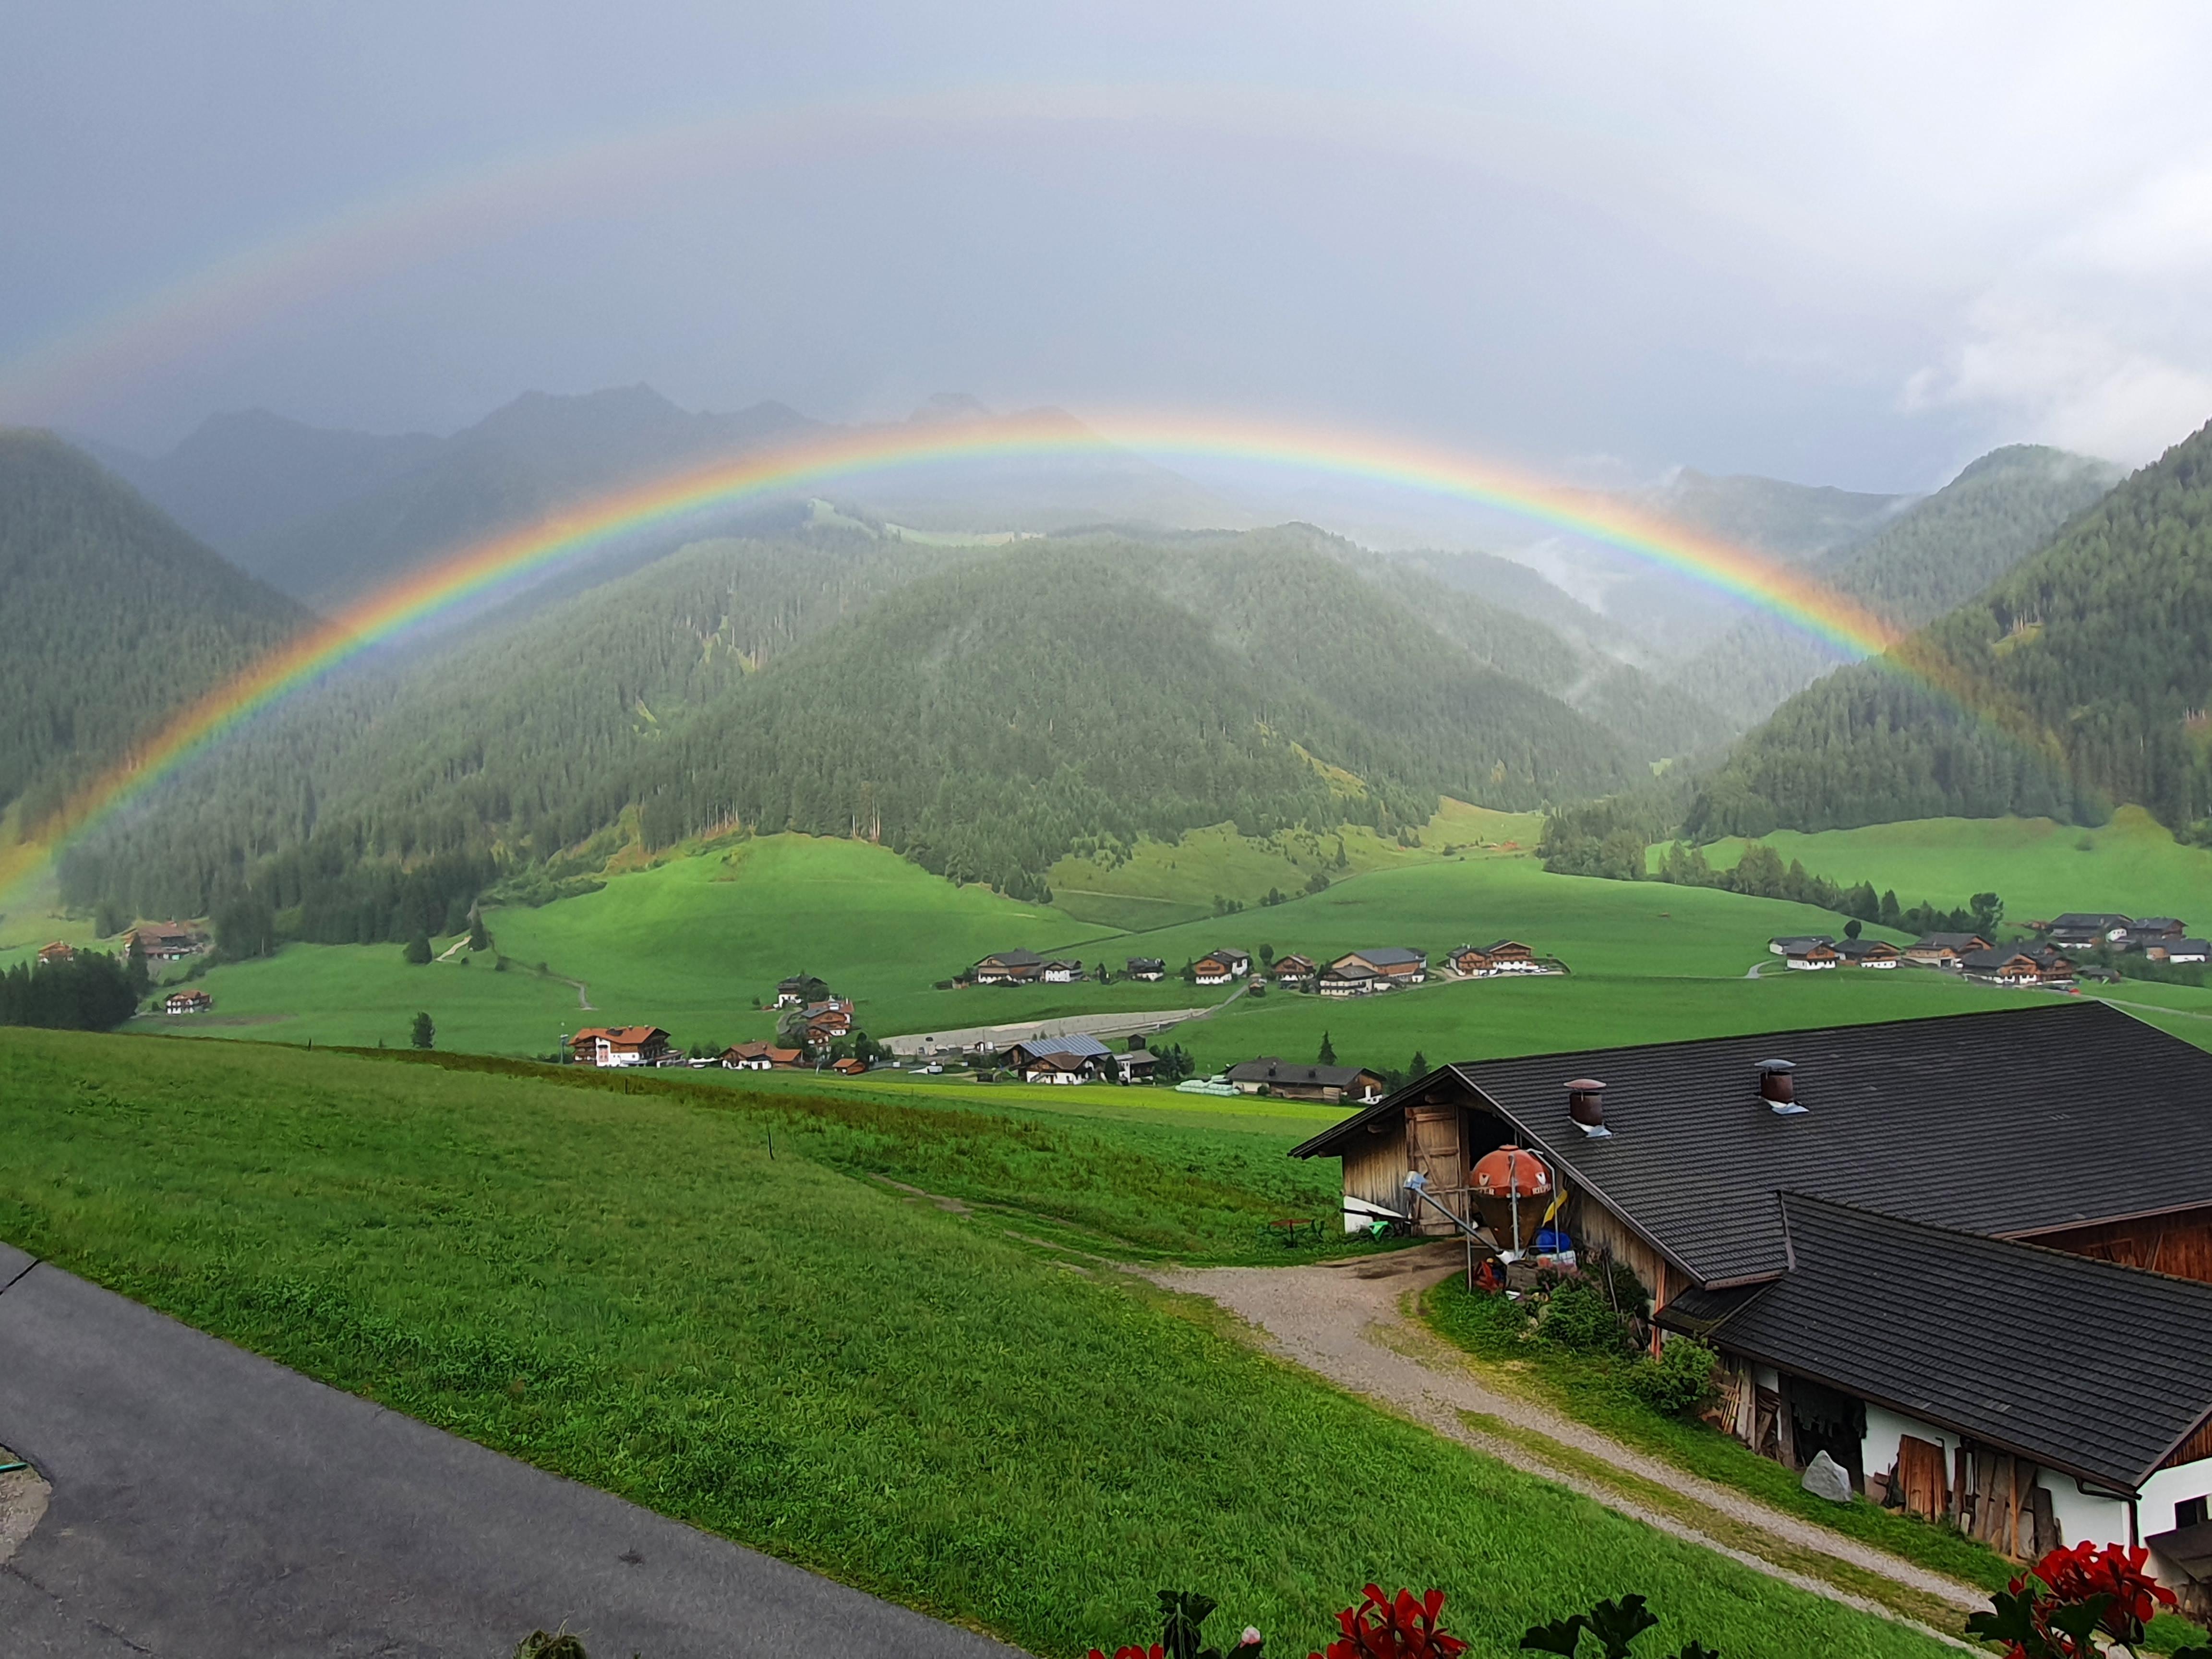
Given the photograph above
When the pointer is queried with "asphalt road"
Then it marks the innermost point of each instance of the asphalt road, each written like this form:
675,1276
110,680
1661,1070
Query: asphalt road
209,1504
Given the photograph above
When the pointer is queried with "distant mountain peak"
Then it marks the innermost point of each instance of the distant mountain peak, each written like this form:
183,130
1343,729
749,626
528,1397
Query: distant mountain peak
940,406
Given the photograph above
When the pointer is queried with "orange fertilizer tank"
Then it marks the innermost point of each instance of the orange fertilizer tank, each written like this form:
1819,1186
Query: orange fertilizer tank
1511,1189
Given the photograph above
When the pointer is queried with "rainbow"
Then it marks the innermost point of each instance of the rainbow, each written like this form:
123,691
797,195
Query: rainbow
667,502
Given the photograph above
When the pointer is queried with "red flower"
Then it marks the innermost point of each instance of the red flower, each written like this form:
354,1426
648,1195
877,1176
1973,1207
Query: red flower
2074,1575
1155,1651
1399,1627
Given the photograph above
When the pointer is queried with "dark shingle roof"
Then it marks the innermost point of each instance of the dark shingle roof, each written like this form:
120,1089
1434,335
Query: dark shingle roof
2013,1122
1015,958
1944,1326
1388,956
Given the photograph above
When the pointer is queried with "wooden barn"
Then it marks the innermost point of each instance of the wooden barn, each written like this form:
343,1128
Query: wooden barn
1971,1255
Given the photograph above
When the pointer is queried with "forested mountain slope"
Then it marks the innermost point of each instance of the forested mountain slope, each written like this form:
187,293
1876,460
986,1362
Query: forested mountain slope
2087,671
1937,554
977,711
115,618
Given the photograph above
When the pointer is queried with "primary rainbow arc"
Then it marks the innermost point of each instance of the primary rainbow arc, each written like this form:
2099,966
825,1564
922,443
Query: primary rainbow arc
1806,603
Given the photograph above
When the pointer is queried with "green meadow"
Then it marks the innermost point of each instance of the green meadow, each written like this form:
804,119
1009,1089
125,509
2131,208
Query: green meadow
714,1301
694,943
2041,868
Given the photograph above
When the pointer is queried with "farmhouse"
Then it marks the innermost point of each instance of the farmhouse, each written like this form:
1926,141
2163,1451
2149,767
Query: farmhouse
1510,956
2003,966
619,1045
791,992
849,1067
1073,1058
1810,954
1293,969
1796,944
2179,950
160,942
56,951
1885,1229
1238,963
1146,968
2082,929
1212,971
1062,972
1868,953
1943,949
1137,1065
1328,1084
1008,968
1401,967
760,1057
1349,982
2146,931
187,1002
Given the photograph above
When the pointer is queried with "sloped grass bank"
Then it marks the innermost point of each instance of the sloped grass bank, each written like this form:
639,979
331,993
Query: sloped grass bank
627,1289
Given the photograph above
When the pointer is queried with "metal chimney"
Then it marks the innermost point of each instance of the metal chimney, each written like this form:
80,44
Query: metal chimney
1586,1106
1777,1087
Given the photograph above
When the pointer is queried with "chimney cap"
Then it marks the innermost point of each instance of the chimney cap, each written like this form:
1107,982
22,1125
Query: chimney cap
1778,1065
1586,1086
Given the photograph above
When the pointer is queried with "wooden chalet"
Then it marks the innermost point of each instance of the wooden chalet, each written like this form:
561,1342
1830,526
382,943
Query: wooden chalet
791,992
619,1045
1066,971
1008,968
1330,1084
1239,962
1293,969
1352,981
1944,950
1969,1257
1136,1064
2006,965
1787,944
2146,931
1146,968
1073,1058
1810,954
162,942
58,951
1868,953
1401,967
1213,970
2084,930
760,1057
187,1002
2179,951
1510,956
849,1067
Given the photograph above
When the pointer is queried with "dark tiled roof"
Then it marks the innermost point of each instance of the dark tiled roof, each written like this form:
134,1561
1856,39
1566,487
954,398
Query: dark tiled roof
2013,1121
1014,958
1961,1332
1948,942
2074,919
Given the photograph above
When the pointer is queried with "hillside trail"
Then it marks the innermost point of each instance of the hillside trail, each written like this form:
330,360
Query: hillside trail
1348,1321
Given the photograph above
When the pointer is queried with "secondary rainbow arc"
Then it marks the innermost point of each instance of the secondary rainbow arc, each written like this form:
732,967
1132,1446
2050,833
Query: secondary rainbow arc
482,567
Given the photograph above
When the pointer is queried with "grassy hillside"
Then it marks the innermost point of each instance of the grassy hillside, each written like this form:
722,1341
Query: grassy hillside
115,618
1935,554
625,1288
2079,680
2039,867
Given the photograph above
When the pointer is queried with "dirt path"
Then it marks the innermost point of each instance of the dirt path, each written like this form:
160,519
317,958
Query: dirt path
1344,1321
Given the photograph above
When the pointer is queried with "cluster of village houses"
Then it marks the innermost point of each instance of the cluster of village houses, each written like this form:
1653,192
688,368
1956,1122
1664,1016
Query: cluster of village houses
2056,957
158,945
1966,1261
1356,973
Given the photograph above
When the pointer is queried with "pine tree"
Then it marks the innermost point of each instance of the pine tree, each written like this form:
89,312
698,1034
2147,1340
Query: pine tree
1418,1065
1328,1051
418,949
422,1034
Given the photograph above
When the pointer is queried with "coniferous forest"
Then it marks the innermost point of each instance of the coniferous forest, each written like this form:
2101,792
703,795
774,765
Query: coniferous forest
2080,680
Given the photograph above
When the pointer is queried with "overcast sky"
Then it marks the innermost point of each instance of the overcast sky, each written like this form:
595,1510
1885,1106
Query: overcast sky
1855,245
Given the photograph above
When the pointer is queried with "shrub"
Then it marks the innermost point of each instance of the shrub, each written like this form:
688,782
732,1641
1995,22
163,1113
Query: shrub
1678,1381
1579,1318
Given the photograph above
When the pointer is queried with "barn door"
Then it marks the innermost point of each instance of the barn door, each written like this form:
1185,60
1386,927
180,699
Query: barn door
1435,1148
